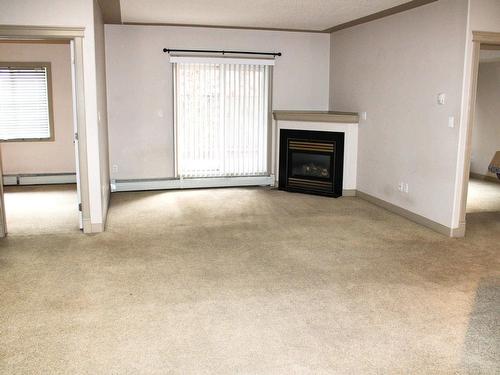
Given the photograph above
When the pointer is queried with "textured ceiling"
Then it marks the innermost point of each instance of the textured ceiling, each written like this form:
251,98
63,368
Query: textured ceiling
281,14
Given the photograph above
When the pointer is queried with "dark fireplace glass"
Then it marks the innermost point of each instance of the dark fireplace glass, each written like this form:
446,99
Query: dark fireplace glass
311,162
310,165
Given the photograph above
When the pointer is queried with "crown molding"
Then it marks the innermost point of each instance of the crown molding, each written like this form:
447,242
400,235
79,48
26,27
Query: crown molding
222,27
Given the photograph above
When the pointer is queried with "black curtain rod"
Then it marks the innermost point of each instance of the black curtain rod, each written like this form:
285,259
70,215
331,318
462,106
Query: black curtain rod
222,51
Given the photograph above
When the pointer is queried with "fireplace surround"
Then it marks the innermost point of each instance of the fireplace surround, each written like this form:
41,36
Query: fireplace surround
311,162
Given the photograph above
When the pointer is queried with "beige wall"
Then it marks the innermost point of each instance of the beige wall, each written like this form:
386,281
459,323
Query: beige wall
393,69
44,157
486,132
140,98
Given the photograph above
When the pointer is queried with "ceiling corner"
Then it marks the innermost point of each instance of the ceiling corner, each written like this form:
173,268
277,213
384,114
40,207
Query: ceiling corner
111,11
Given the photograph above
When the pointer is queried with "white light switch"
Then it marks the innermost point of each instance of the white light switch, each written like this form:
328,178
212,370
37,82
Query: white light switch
451,122
441,98
363,116
160,113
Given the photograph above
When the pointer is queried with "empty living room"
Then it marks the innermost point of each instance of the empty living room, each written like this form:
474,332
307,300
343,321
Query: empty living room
250,187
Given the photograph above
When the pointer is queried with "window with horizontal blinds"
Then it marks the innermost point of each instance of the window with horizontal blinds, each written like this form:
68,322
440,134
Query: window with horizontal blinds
222,118
24,103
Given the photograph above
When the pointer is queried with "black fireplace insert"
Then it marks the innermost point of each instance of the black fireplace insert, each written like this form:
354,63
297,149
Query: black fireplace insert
311,162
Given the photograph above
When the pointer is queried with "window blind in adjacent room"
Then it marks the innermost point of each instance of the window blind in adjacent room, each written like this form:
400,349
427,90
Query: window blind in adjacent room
221,117
24,103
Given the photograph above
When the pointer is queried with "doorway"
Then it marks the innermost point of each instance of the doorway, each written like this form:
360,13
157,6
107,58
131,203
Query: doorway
34,194
484,184
480,186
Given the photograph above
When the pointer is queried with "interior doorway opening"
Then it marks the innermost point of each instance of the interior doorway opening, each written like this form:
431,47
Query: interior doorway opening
37,127
484,185
480,202
43,137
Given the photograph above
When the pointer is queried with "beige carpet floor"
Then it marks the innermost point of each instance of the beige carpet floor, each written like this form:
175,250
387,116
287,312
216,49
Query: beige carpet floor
251,281
41,209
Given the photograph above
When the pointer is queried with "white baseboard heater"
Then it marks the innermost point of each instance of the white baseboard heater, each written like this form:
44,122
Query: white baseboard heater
189,183
39,179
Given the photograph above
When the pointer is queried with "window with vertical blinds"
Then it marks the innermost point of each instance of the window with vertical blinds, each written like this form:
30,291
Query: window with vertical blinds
222,117
24,103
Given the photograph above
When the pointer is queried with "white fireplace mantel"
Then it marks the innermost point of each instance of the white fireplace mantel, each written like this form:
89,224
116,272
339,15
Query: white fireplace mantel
343,122
317,116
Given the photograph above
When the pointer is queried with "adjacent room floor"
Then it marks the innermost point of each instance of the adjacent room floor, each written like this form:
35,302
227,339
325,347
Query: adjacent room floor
251,281
483,196
41,209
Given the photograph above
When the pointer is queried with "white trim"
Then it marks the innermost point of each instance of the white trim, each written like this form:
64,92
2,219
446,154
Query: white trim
41,32
220,60
350,145
97,227
189,183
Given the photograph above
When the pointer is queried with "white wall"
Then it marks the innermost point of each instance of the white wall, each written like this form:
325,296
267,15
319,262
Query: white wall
102,110
70,13
393,69
486,131
140,98
485,15
57,156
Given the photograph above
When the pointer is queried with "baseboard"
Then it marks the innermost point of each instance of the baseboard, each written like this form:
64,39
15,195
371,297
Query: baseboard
97,227
39,179
349,192
437,227
89,227
483,177
188,183
458,232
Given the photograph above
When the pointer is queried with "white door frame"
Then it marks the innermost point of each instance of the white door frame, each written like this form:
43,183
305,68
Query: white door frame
478,38
3,222
75,34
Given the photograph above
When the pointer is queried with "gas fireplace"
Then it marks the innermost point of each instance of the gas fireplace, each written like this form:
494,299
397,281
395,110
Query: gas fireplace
311,162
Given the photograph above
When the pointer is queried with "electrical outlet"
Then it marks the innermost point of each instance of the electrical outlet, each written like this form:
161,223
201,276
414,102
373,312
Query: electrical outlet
403,187
114,168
